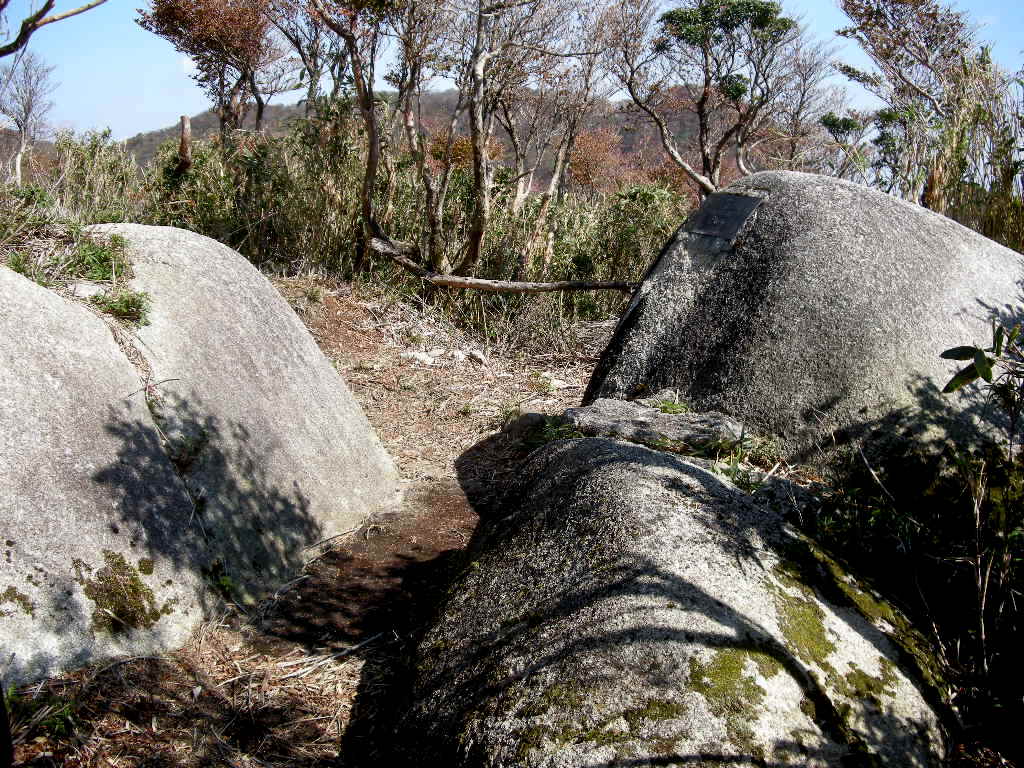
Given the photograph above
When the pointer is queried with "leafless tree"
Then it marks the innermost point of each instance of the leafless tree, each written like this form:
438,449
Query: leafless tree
487,49
25,101
361,29
319,50
791,135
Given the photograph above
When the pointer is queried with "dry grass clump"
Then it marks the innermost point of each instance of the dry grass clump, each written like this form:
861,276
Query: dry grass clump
230,697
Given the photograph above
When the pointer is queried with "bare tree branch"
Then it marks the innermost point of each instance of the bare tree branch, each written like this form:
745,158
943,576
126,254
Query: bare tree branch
39,19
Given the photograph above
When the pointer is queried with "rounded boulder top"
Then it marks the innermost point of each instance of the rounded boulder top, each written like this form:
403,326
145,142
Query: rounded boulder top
815,310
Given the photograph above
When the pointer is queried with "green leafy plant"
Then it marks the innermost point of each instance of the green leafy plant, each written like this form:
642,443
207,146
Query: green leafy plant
20,263
672,406
995,479
739,471
97,260
1003,373
43,713
33,195
132,306
552,429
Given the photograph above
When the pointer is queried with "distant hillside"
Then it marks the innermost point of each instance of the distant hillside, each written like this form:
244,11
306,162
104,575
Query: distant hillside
637,135
206,126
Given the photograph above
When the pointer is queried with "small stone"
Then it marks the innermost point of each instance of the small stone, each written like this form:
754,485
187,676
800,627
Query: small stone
419,357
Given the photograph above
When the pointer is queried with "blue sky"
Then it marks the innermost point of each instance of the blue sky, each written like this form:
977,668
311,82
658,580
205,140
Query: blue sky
114,74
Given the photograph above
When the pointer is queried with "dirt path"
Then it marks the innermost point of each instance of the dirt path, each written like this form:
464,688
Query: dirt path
281,685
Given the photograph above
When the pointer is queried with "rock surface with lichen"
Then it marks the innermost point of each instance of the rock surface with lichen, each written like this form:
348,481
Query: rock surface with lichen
622,606
666,424
147,473
269,441
95,520
815,311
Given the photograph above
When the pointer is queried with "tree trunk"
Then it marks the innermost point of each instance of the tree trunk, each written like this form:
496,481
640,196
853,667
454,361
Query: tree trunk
399,254
540,226
184,148
260,103
19,155
478,136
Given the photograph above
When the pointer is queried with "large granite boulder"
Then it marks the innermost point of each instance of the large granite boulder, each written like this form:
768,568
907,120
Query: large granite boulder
624,607
145,474
814,310
92,567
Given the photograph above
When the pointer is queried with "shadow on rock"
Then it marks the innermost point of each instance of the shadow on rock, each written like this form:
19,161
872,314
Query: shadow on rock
557,611
244,534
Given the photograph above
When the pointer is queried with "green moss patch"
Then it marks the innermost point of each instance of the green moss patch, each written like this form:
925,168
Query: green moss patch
802,622
13,597
860,686
654,709
123,601
558,697
807,567
730,692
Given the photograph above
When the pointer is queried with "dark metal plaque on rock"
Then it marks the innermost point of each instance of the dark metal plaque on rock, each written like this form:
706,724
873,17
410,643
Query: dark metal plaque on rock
723,214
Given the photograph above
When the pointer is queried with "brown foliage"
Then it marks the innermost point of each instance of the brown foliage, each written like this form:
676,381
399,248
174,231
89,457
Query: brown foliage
596,161
227,39
461,150
212,32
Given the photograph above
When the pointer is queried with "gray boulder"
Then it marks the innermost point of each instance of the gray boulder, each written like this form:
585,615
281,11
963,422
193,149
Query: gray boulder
145,475
814,310
711,441
625,607
265,434
91,567
679,431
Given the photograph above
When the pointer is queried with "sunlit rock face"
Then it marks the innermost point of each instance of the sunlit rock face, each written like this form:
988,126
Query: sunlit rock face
624,606
147,473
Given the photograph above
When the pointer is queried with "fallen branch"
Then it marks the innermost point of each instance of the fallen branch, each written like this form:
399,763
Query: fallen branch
399,253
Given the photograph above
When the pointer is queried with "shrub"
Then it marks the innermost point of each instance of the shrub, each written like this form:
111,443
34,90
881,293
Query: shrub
97,260
132,306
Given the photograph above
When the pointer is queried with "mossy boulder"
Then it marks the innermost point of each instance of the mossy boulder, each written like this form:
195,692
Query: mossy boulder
148,472
96,523
623,606
265,434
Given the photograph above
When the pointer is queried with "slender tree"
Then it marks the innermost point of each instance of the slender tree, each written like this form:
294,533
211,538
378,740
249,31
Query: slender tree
936,82
722,61
24,101
320,52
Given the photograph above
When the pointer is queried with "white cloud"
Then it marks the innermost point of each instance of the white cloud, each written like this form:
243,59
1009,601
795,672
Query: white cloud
187,65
